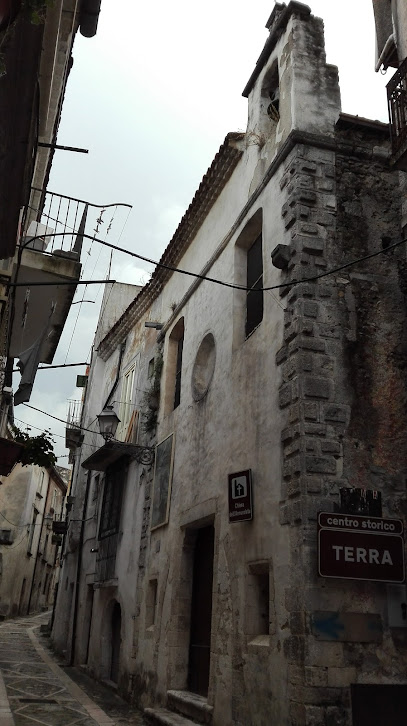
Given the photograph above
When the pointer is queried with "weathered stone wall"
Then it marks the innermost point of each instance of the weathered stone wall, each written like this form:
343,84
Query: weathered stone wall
344,393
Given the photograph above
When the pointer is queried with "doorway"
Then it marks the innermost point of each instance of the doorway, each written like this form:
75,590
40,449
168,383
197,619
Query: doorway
379,705
88,620
116,642
201,612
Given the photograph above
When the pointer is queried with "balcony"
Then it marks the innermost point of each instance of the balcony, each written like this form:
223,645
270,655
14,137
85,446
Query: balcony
49,252
73,433
397,103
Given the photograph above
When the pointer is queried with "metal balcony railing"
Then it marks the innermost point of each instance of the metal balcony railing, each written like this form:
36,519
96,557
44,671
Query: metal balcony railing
58,222
73,418
397,103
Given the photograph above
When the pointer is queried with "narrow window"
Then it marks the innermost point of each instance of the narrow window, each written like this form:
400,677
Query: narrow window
41,484
95,493
263,594
150,368
126,404
254,299
178,370
151,603
32,530
258,603
173,367
112,502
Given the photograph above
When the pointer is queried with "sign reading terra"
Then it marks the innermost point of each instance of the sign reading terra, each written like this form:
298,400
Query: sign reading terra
360,548
240,496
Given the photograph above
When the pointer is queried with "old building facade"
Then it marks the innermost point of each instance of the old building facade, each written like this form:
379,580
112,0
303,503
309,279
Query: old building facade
32,498
36,57
278,367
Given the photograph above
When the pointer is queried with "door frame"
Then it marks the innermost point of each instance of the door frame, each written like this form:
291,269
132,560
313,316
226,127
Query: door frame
182,602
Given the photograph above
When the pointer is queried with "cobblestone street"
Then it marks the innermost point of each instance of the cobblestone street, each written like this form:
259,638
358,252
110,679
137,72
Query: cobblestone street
34,689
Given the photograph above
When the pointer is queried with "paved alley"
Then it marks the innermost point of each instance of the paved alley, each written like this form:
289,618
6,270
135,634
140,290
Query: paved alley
34,689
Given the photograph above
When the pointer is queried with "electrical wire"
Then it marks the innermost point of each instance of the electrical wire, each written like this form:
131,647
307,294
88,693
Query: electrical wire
82,428
18,543
231,285
223,283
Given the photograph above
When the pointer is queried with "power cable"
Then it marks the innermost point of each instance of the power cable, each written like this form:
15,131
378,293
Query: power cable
231,285
60,365
82,428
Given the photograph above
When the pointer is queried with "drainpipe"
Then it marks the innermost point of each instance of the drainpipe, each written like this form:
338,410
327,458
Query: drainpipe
78,570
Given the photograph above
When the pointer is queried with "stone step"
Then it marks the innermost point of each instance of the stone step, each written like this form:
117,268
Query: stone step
190,705
163,717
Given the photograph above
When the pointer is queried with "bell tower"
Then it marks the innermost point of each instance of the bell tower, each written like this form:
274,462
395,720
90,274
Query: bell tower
292,87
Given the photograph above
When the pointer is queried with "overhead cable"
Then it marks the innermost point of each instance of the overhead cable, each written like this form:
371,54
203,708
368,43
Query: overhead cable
280,286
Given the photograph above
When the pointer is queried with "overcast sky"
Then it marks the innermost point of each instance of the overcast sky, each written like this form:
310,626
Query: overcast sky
152,97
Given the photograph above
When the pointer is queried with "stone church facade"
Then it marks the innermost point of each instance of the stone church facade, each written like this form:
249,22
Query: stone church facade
289,382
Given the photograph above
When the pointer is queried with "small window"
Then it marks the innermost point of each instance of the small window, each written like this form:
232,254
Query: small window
41,484
32,531
254,299
126,408
173,367
5,536
258,603
112,502
95,492
178,371
150,373
151,603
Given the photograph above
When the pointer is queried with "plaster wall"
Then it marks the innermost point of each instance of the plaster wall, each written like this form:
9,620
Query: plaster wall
311,401
23,490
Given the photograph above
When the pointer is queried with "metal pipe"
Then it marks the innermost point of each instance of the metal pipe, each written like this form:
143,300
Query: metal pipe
78,571
63,148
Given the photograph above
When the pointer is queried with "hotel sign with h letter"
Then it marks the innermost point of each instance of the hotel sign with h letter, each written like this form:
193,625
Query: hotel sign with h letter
360,548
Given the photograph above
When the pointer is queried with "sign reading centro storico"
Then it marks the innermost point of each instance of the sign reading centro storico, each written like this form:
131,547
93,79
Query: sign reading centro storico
360,548
240,496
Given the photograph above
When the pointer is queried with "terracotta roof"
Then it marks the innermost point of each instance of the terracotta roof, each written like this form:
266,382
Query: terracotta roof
206,195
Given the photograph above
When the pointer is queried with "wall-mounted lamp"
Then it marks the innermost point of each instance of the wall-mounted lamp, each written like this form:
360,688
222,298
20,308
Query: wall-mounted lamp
94,549
157,326
108,422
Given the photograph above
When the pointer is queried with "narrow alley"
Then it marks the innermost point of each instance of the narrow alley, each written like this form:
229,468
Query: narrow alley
35,689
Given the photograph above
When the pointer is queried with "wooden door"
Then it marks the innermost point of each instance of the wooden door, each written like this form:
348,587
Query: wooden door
116,642
379,705
201,612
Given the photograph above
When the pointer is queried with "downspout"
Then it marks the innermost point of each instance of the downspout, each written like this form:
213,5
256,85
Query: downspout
78,570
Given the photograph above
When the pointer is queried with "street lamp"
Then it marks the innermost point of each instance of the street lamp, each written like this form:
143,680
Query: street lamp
108,422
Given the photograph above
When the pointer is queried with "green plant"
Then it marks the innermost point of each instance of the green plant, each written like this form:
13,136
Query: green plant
37,450
151,399
36,10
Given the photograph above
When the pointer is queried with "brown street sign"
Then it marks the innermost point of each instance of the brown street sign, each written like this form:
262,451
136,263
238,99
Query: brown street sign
357,523
360,548
240,496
